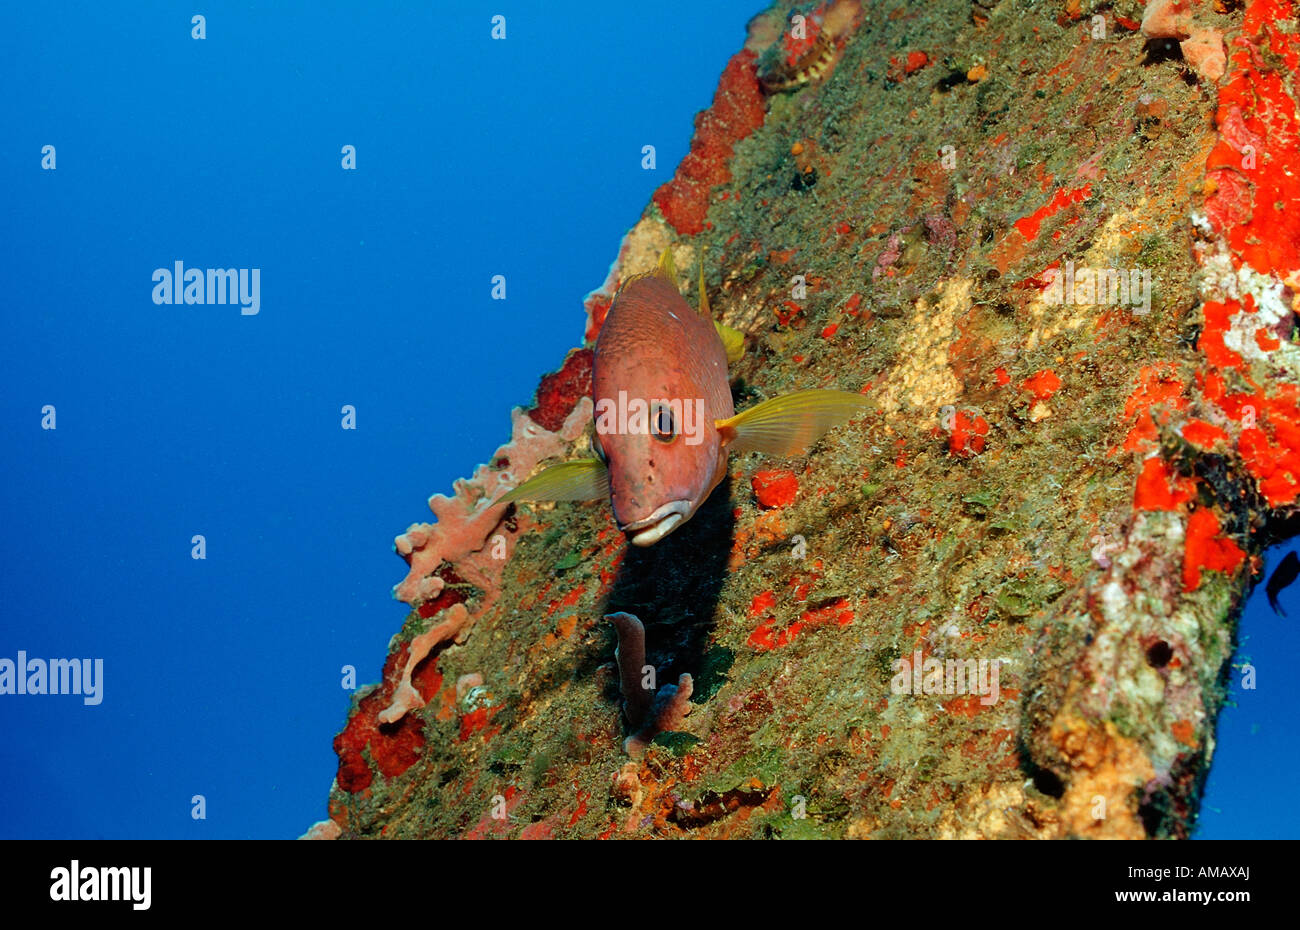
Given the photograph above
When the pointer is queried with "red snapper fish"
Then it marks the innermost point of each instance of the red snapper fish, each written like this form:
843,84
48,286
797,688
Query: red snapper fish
664,419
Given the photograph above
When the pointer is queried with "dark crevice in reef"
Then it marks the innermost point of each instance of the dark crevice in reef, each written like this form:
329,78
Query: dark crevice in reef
1045,780
1159,51
674,586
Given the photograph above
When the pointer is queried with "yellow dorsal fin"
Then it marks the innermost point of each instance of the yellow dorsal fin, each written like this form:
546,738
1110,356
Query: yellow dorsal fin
791,423
667,270
733,340
578,480
704,295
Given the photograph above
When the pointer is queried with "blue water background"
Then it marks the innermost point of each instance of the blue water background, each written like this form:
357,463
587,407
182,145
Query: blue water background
475,158
1257,757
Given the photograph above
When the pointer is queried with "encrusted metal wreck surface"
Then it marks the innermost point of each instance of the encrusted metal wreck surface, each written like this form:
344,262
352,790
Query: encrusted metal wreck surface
1059,480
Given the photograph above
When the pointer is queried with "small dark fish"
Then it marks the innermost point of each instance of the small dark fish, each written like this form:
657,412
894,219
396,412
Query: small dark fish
1285,573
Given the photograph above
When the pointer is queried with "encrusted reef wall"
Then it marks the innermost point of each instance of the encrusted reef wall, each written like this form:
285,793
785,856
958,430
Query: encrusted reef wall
1055,244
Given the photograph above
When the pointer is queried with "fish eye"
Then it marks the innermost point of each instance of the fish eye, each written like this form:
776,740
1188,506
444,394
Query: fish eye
663,427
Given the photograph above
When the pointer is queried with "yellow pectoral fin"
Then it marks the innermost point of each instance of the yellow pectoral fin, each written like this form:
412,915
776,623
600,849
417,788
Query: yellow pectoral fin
790,424
667,269
579,480
733,340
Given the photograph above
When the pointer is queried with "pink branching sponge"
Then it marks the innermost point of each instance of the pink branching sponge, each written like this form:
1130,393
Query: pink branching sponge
1202,46
470,536
407,697
467,519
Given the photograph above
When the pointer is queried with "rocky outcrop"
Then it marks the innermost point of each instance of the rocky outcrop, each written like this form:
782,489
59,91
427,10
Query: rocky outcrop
1056,246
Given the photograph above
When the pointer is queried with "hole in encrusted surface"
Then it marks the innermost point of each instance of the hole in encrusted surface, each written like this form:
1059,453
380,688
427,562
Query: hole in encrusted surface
1049,783
1159,654
1157,51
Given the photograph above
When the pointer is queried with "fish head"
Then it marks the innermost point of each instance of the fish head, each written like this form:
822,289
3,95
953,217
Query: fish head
659,385
664,456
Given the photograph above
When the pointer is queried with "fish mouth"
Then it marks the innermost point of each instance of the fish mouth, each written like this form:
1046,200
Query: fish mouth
664,520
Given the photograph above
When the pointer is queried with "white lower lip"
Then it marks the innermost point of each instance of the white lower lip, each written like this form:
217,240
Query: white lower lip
659,524
651,535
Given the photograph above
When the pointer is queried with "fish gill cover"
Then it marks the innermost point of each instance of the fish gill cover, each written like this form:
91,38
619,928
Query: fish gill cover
1055,245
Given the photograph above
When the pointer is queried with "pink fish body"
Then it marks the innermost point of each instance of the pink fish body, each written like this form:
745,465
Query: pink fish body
664,418
657,349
